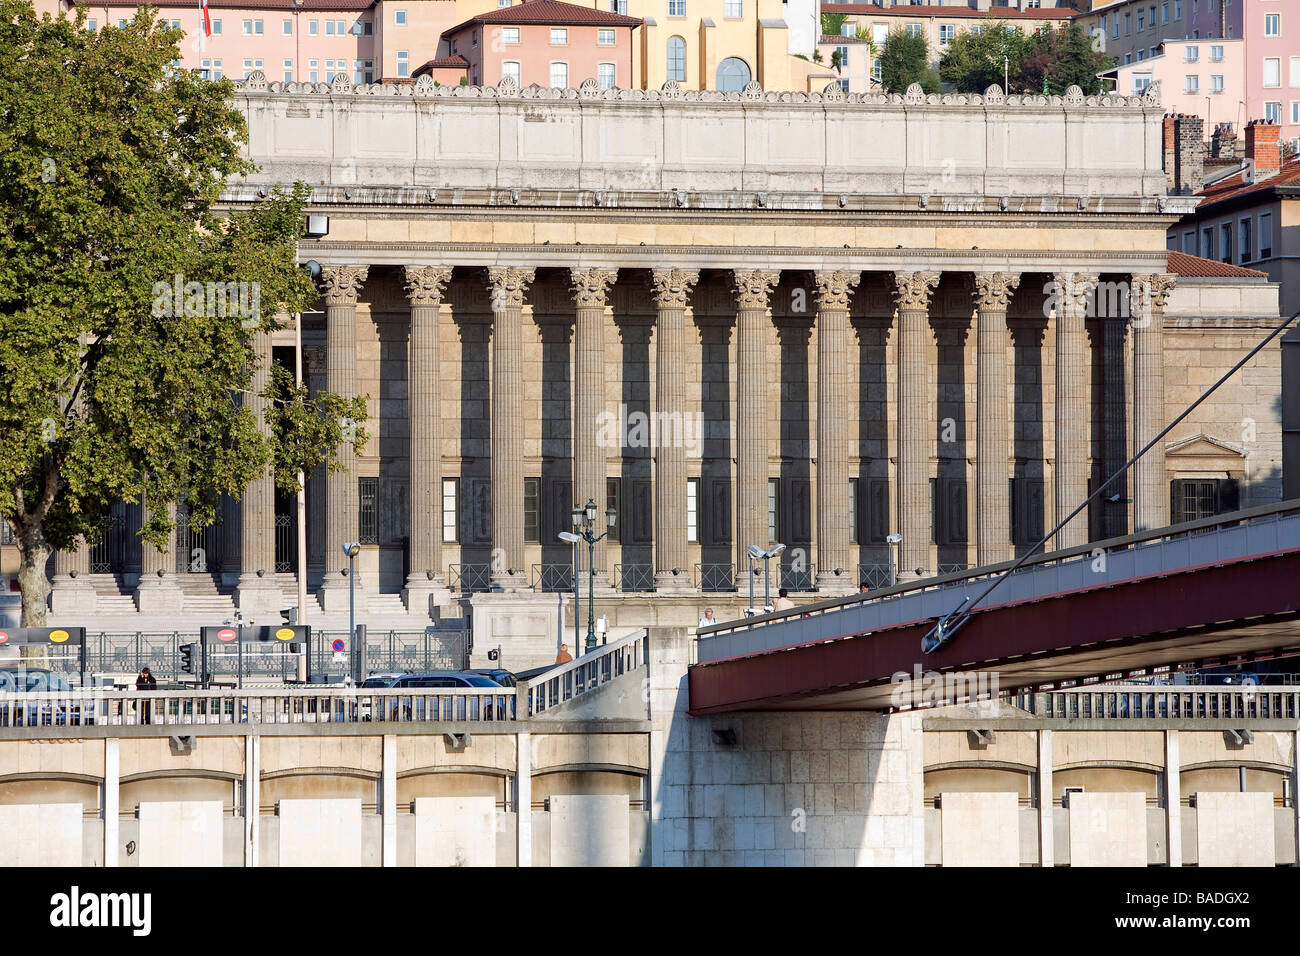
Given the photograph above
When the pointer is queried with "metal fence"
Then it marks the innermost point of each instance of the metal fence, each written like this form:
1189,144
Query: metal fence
1119,702
552,577
794,578
469,577
634,577
874,576
715,577
389,652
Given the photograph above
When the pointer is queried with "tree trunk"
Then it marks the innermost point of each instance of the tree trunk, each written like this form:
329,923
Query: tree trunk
34,551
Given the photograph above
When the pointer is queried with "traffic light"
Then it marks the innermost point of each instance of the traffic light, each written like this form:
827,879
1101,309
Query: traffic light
187,658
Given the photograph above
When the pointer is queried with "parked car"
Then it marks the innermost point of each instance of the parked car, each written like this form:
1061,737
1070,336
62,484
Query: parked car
424,707
504,678
37,679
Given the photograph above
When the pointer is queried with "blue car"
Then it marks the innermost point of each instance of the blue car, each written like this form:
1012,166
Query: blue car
45,713
423,707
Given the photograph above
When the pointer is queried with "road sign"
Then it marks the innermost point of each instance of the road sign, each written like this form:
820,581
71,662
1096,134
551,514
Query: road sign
338,646
227,634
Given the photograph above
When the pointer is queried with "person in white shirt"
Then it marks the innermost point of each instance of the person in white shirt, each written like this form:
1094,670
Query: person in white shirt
708,620
783,602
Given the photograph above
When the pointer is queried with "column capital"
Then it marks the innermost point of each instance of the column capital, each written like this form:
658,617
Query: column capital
912,289
834,288
672,287
425,284
754,287
590,286
509,285
342,284
1150,293
1073,290
993,289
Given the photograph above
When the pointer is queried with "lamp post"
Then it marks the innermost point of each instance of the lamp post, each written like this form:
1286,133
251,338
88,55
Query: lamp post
352,549
893,540
584,523
758,554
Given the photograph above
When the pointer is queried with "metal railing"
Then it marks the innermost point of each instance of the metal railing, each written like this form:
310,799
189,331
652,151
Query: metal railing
551,577
634,577
469,577
715,577
171,708
798,579
875,576
588,672
1144,702
405,652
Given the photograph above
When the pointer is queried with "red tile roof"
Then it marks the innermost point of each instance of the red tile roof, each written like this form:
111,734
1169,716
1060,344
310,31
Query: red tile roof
993,13
1232,187
1180,263
548,12
455,62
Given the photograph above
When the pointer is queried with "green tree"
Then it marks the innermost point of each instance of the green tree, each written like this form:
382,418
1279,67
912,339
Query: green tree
833,23
905,60
112,386
975,61
1059,59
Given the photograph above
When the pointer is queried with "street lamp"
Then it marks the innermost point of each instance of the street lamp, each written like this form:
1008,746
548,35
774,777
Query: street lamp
758,554
352,549
584,525
893,540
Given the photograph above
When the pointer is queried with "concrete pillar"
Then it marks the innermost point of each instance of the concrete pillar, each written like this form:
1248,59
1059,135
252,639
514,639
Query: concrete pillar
1073,422
672,290
1115,406
424,582
342,287
252,798
523,800
753,288
258,593
590,288
158,591
112,773
1150,484
915,431
1173,800
833,291
992,450
1046,832
73,593
1295,789
388,798
508,287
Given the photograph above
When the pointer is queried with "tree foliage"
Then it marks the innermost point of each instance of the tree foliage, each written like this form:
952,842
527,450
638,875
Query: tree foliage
975,61
1046,61
904,60
832,23
111,165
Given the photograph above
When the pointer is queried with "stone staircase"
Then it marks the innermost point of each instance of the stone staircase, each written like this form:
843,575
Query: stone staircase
204,598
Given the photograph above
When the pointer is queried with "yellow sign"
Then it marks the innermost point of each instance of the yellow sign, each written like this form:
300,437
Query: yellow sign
58,637
284,634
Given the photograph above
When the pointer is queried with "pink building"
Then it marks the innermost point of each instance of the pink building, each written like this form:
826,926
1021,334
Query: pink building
545,42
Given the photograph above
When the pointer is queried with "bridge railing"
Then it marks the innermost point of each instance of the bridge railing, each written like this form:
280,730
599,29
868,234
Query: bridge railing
586,673
1237,534
181,708
1144,702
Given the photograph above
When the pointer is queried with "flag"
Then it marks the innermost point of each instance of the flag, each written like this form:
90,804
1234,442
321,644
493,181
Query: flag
205,30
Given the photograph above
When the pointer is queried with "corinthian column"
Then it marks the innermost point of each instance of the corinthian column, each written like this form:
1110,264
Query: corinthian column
1073,412
833,291
1149,296
753,287
589,289
914,416
342,286
992,453
508,287
672,289
258,593
424,581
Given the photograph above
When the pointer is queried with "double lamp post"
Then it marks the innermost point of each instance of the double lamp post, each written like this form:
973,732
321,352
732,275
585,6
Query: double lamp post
584,529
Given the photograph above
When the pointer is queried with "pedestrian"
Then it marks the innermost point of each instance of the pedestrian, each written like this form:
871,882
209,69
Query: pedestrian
862,588
145,681
783,602
564,656
708,620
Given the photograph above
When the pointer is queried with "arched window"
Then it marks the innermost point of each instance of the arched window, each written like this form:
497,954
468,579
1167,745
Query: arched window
677,59
733,74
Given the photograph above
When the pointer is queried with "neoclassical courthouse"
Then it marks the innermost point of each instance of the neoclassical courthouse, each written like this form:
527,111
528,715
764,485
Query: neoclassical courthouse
736,319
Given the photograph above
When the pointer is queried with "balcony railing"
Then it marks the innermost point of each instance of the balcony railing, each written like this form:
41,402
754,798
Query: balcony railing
469,577
715,577
634,577
1143,702
551,577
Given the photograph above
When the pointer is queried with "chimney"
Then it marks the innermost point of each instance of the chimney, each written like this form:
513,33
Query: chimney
1168,160
1223,143
1262,148
1189,155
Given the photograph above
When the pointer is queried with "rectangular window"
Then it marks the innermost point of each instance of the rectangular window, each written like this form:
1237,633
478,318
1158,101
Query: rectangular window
560,76
248,28
1164,12
288,71
854,536
503,3
1243,234
1216,54
976,30
1295,71
286,28
1216,82
1189,243
1191,54
510,36
875,69
340,28
773,508
329,28
1272,25
1207,242
1128,58
403,63
559,36
450,510
677,8
604,37
92,25
1142,21
1265,235
1191,499
946,32
733,9
368,510
1178,9
1273,111
692,510
1141,55
618,6
612,496
257,28
1128,24
1191,84
510,68
605,75
1295,113
313,28
532,501
367,28
399,18
1140,82
1225,242
1114,26
1272,71
842,57
914,29
216,28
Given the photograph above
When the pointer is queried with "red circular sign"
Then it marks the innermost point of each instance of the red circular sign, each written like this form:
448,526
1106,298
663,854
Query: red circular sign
226,634
3,637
